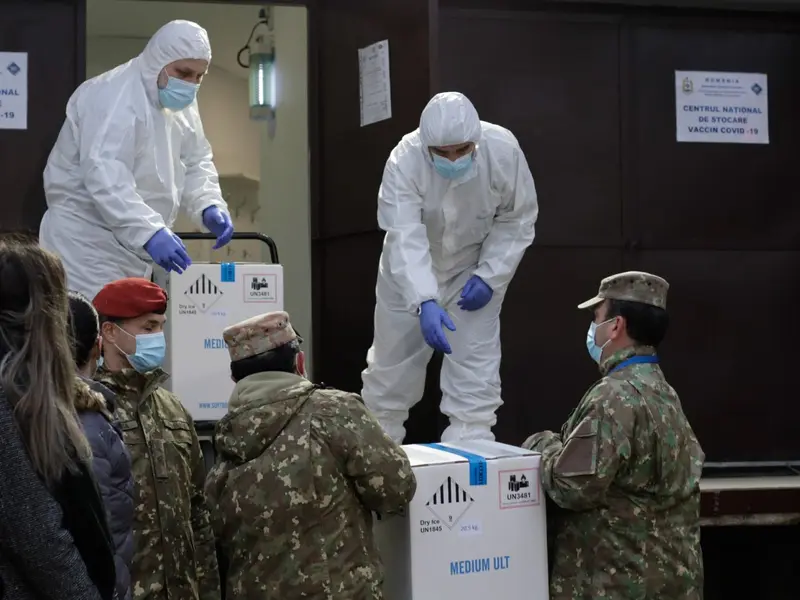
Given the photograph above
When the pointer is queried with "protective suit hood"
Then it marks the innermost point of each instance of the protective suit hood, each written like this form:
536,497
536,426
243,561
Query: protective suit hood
449,118
177,40
122,167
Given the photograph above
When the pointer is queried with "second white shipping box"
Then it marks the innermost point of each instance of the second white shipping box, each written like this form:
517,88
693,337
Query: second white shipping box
475,529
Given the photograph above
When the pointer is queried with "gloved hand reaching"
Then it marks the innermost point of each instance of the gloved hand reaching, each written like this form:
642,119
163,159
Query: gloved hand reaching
168,251
431,318
218,223
476,294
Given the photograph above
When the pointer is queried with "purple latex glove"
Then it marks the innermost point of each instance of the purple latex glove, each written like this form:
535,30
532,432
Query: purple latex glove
476,294
218,223
167,251
431,318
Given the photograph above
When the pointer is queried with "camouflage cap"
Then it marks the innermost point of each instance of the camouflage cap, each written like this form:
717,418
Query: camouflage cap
634,286
259,334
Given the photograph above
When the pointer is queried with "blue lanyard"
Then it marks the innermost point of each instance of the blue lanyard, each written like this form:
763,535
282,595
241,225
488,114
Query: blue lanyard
634,360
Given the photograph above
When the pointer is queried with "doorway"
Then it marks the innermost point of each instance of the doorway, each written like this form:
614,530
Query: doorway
264,177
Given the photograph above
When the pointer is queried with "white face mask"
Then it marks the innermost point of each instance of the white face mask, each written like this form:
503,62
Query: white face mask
595,351
150,350
452,169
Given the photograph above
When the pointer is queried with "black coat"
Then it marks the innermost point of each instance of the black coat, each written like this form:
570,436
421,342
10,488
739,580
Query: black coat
111,466
85,518
38,558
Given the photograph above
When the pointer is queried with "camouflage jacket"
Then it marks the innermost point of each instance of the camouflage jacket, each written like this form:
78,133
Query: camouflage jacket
626,468
300,469
174,555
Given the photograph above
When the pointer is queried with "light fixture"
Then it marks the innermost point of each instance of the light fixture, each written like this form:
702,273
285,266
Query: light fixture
260,48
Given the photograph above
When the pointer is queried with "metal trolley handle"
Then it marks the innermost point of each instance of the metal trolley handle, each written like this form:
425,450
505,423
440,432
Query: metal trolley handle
245,236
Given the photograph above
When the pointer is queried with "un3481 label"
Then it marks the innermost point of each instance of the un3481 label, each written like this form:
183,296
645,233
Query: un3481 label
519,488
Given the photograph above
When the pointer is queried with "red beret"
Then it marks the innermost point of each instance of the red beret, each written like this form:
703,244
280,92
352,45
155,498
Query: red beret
130,298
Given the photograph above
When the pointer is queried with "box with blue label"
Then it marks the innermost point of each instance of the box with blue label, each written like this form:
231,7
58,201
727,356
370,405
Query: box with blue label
203,301
475,529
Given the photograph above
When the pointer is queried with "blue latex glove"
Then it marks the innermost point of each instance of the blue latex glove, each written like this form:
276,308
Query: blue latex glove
431,318
168,251
218,223
476,294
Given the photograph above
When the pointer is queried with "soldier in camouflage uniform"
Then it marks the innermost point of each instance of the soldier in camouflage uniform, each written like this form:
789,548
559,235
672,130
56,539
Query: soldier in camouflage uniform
300,469
625,469
174,555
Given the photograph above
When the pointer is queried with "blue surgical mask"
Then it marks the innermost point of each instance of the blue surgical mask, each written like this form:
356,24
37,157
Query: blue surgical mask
177,94
595,351
452,169
151,349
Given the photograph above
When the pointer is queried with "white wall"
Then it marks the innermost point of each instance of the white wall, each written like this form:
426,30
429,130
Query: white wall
284,191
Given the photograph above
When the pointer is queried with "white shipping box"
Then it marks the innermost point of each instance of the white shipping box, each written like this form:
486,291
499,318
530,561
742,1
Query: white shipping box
203,301
476,528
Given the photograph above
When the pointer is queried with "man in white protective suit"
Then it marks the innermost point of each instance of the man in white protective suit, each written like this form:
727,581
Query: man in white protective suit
458,205
132,152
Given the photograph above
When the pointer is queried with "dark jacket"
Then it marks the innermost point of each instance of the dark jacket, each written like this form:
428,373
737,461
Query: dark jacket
38,557
111,463
85,518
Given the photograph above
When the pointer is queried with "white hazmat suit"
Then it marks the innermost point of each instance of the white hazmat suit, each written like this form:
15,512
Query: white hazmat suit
439,233
123,165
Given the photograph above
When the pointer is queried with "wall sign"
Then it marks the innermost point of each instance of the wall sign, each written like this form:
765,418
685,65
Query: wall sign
13,90
374,82
721,107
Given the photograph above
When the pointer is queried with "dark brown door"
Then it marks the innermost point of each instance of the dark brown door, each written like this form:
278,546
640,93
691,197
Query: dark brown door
590,96
553,80
52,32
722,223
349,166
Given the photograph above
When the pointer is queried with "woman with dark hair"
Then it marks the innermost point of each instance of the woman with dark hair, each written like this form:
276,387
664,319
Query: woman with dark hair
111,461
54,541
